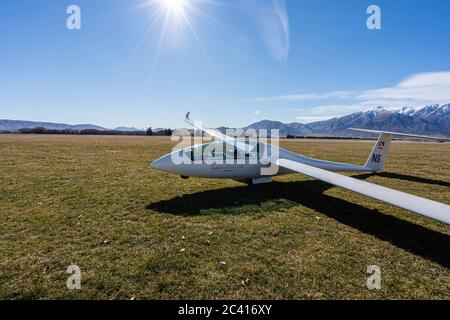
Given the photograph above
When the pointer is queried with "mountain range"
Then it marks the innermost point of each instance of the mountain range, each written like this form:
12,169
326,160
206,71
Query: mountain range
16,125
430,120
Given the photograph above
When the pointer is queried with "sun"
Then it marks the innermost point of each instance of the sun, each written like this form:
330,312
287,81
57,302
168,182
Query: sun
176,20
176,7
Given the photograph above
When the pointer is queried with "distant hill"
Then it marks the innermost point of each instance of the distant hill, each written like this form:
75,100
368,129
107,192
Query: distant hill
159,130
16,125
128,129
284,129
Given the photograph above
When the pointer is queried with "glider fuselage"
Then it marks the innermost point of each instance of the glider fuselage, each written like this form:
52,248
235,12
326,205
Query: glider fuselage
233,164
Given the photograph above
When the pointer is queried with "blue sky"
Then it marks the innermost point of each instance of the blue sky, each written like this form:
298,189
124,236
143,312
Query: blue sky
230,62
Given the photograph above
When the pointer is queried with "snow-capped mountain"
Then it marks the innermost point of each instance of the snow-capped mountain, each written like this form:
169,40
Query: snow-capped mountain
407,111
430,120
433,113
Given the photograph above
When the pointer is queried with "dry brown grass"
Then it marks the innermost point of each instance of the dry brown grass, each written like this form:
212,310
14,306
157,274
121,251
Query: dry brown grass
62,196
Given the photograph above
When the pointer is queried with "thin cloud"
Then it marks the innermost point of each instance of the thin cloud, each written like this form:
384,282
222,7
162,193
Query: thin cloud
432,87
306,97
336,110
416,91
272,23
427,79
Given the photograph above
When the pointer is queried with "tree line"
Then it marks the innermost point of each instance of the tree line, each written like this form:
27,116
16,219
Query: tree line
42,130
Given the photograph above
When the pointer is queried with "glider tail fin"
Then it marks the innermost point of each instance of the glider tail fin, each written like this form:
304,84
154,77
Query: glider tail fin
378,157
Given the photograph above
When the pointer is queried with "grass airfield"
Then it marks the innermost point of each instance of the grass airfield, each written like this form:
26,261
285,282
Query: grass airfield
141,234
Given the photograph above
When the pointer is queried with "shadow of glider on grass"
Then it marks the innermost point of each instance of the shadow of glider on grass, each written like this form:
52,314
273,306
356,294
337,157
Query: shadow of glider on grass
237,165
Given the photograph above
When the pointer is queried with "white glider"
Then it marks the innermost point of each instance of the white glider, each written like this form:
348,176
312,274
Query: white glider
230,158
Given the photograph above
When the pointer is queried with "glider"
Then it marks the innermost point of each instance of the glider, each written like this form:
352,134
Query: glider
230,158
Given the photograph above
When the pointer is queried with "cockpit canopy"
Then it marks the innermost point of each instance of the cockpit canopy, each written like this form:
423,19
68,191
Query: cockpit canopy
226,151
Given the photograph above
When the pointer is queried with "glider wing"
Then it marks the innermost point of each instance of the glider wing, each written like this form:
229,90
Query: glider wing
425,207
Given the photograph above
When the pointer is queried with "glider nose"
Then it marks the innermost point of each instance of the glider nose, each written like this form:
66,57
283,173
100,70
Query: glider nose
162,164
157,164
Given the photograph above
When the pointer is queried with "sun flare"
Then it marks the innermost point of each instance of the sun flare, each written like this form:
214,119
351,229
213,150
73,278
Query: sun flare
178,22
175,7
